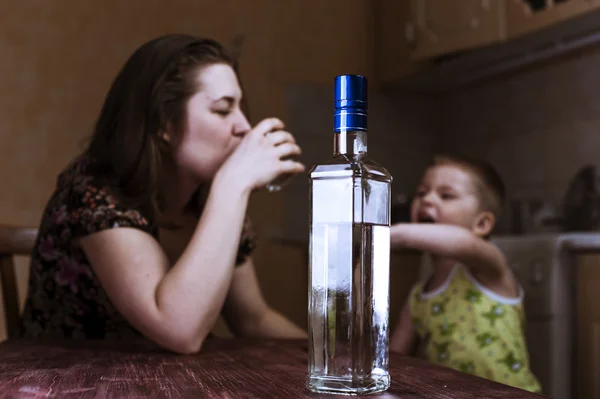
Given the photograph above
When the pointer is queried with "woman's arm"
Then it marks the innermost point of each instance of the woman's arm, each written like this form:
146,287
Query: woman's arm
177,306
173,306
247,313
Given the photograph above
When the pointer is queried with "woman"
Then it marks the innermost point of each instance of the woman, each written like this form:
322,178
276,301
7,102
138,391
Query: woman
146,232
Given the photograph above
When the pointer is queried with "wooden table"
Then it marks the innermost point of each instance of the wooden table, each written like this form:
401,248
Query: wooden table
224,369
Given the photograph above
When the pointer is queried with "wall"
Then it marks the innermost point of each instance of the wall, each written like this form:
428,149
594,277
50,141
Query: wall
60,57
538,127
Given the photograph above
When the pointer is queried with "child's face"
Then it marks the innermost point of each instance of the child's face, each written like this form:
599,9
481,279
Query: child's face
447,195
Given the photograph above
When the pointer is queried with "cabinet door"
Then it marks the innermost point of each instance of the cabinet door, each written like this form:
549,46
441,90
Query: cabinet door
395,39
444,26
587,345
525,16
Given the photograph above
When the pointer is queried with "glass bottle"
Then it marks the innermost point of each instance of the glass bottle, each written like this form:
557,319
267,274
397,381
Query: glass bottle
350,197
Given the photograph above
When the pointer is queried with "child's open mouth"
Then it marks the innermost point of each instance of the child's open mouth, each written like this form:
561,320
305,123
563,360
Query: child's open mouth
425,218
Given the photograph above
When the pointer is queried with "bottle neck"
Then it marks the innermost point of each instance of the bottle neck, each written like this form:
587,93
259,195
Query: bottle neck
350,142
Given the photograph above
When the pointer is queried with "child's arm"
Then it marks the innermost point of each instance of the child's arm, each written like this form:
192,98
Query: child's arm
403,337
452,242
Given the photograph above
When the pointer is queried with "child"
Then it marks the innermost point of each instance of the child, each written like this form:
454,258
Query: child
469,314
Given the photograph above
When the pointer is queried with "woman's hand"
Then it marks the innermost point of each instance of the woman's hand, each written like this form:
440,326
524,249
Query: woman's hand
262,156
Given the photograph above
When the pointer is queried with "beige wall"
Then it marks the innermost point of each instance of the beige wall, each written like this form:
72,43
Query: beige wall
538,127
60,57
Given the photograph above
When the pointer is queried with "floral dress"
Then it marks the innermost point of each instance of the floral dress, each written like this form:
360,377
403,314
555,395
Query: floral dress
65,298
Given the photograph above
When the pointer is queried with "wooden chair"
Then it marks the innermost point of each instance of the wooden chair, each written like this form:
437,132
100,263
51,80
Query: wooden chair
13,241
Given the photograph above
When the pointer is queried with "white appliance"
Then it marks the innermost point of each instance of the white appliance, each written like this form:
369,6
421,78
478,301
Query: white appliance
545,266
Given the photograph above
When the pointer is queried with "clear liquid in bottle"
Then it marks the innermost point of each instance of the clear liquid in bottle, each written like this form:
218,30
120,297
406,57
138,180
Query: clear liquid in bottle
349,257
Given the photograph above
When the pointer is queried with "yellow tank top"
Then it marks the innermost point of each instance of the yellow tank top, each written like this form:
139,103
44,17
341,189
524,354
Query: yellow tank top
465,326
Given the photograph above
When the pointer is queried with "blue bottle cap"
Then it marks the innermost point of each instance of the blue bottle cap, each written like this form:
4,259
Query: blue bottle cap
350,103
350,91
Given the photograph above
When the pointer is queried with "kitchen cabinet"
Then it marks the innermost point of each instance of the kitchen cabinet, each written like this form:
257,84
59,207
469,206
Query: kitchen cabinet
587,343
410,34
436,39
526,16
443,27
394,40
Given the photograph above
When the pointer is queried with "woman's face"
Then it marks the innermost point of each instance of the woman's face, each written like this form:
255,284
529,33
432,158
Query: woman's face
214,124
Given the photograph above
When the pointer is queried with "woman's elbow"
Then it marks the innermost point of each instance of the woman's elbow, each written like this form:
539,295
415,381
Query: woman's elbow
183,343
185,346
188,349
